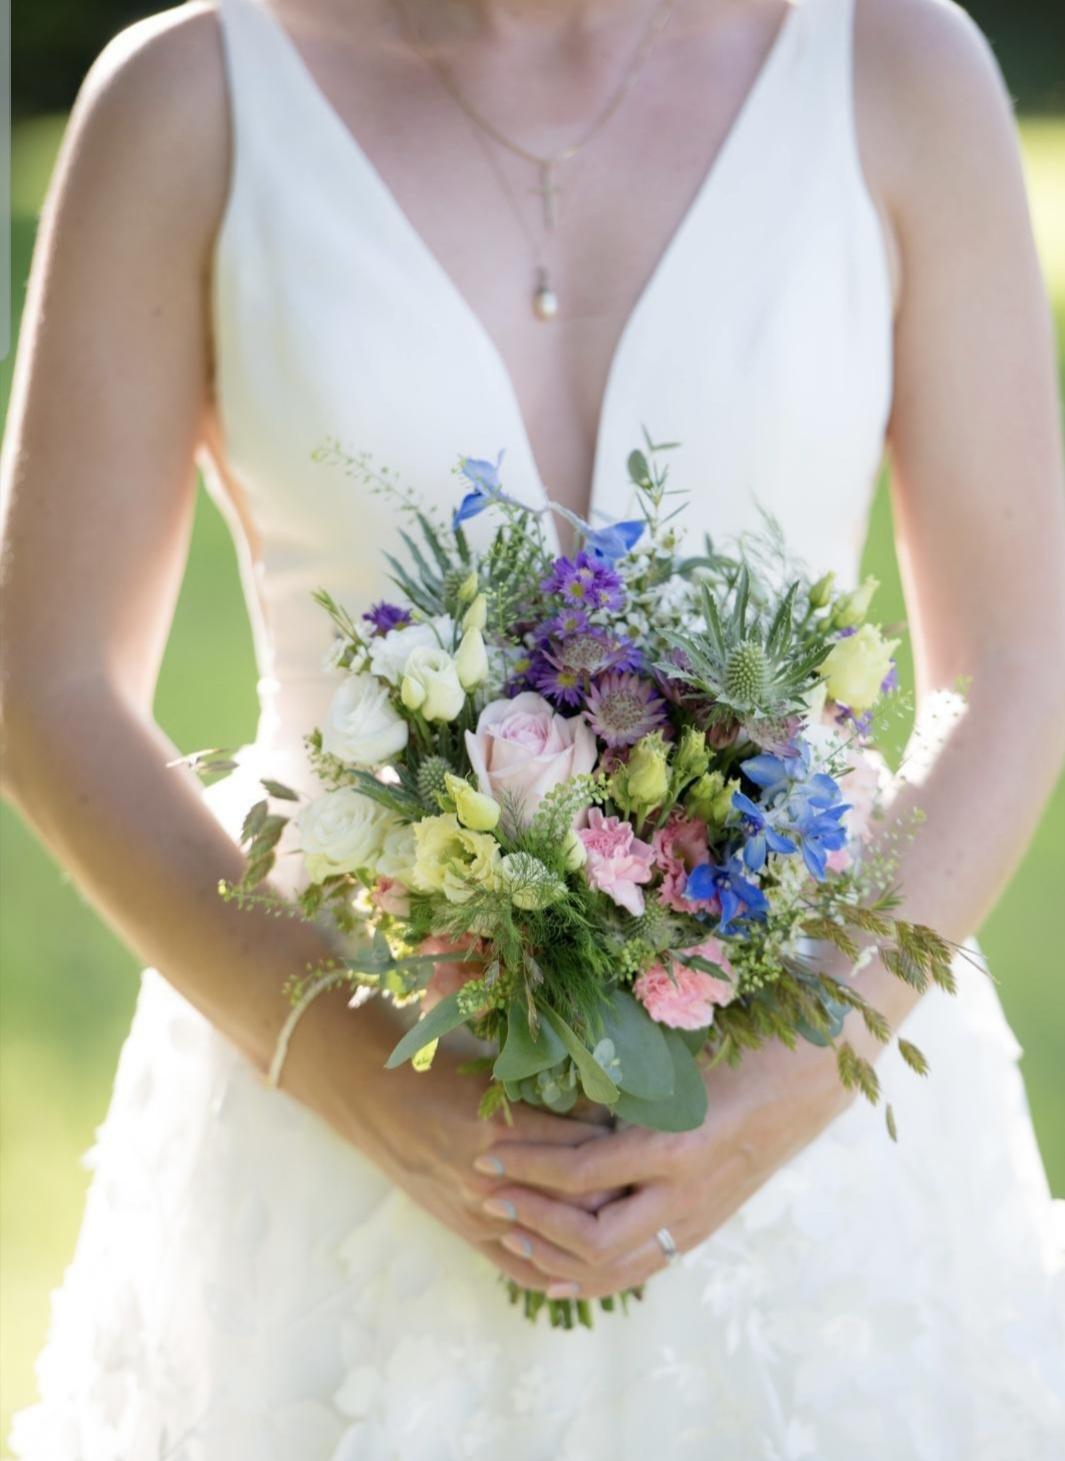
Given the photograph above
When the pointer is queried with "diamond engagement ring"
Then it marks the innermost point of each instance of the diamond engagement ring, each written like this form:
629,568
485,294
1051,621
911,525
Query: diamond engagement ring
664,1239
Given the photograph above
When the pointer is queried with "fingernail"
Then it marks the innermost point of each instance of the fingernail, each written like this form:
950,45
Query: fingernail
562,1290
491,1166
517,1243
500,1207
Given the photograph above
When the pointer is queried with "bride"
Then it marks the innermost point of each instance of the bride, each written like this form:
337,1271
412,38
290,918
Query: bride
788,236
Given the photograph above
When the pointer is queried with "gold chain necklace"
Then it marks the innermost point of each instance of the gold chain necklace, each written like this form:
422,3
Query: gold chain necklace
544,299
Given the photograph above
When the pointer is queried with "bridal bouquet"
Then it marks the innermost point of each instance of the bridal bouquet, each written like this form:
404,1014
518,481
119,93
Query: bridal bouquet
607,809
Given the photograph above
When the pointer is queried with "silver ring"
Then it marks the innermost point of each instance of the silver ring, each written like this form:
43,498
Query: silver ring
664,1239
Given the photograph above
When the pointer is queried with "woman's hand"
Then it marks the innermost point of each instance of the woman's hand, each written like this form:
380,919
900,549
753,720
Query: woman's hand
422,1128
760,1116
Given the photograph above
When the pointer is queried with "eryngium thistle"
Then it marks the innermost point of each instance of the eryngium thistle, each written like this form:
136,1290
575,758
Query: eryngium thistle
431,780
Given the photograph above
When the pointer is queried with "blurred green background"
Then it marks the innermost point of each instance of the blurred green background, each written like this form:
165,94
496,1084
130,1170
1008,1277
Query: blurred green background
67,986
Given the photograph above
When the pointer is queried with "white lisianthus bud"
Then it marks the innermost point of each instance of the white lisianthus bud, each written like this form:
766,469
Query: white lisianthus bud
431,685
476,616
468,587
363,728
342,831
471,662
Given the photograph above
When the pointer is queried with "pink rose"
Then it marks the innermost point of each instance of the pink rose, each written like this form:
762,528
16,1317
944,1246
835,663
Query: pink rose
680,846
684,998
617,860
521,749
447,978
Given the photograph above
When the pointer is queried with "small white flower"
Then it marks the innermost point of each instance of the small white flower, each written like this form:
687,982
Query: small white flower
363,728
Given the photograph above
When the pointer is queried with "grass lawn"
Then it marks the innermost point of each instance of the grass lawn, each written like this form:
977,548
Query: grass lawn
67,985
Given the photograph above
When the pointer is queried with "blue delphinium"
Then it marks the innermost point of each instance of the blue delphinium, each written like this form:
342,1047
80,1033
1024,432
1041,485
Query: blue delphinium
611,543
762,827
800,810
737,895
483,477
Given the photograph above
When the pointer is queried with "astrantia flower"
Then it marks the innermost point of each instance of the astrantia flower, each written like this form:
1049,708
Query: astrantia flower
385,617
622,708
563,669
586,582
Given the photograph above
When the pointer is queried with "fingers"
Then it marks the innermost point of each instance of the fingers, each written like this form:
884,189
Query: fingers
596,1239
618,1159
531,1124
562,1275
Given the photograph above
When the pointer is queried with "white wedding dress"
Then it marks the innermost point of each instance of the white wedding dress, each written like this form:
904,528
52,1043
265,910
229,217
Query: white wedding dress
246,1286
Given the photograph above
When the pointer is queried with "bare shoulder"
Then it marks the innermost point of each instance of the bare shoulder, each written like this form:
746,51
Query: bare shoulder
933,110
151,121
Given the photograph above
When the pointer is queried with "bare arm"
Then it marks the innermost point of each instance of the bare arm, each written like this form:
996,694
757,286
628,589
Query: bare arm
980,518
99,486
109,405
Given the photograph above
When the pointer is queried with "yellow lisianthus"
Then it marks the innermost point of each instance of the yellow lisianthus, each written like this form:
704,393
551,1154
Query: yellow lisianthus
476,811
452,859
856,667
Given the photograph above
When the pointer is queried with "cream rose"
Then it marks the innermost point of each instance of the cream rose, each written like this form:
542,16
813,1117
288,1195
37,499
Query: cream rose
363,728
390,652
340,832
521,749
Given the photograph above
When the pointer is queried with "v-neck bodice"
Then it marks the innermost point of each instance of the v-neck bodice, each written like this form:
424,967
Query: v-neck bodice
761,341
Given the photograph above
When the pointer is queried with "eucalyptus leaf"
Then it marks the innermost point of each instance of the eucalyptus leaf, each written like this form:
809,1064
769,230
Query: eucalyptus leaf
597,1084
695,1039
685,1109
646,1066
522,1054
443,1017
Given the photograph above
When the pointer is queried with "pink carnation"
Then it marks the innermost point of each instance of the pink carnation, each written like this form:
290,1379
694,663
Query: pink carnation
684,998
680,846
617,860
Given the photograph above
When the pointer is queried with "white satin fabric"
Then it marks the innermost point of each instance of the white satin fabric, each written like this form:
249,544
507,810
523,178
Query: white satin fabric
246,1286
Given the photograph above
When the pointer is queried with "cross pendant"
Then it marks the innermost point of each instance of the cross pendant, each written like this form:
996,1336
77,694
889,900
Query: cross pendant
548,191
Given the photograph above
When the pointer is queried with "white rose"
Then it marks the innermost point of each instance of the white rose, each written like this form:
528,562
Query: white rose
431,685
362,727
389,654
396,858
341,832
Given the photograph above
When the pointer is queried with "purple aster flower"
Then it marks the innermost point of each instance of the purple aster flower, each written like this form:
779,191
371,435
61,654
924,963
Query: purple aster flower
622,708
386,617
569,621
585,582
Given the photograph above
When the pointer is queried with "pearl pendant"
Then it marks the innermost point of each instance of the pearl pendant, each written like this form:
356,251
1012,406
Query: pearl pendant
545,300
